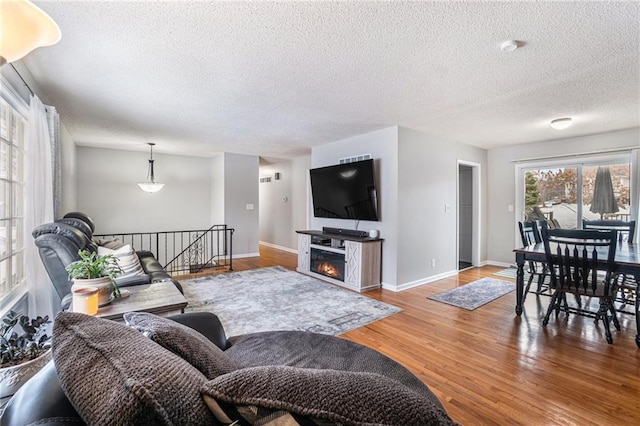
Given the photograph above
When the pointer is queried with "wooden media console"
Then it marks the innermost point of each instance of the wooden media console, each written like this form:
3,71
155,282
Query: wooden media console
348,261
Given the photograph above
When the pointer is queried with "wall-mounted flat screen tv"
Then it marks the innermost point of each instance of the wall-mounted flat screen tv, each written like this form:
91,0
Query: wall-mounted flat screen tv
345,191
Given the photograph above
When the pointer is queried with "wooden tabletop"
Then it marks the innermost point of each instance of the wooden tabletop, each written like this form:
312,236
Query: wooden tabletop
156,298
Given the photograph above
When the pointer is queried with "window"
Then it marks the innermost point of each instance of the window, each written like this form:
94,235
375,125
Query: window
12,194
565,193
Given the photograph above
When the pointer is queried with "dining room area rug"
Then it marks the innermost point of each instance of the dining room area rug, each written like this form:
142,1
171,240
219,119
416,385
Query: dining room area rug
475,294
276,298
512,272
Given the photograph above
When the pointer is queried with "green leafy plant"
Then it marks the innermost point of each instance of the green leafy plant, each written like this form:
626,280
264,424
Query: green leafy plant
33,341
92,266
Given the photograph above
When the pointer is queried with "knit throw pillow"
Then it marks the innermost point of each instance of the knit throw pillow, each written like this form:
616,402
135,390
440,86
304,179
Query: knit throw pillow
257,395
127,259
183,341
113,375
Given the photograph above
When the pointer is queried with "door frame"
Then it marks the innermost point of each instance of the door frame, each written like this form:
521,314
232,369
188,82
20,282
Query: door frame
578,161
476,174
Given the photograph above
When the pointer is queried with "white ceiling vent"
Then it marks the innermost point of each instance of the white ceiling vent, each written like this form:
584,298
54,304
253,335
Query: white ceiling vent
359,157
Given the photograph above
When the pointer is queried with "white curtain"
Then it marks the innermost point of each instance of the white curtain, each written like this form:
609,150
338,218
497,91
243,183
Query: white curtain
38,205
635,189
53,119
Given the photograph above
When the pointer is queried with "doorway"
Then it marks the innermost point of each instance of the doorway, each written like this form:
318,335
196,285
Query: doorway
468,214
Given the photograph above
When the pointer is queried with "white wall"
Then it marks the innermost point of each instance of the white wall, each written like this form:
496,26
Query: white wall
107,191
502,180
382,145
240,189
198,193
300,196
217,190
427,181
280,219
275,204
417,175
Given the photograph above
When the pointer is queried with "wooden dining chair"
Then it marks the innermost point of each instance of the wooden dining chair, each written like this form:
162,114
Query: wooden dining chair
626,230
530,234
627,286
581,262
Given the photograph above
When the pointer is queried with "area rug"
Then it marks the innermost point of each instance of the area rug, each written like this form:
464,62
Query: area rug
511,273
475,294
275,298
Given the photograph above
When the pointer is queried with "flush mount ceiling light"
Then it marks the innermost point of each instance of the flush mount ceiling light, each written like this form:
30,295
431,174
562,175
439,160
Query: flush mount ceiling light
509,46
561,123
150,185
23,28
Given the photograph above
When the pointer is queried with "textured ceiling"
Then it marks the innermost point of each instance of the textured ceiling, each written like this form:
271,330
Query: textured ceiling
274,79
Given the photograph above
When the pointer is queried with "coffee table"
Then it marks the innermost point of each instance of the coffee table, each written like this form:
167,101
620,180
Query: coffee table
161,298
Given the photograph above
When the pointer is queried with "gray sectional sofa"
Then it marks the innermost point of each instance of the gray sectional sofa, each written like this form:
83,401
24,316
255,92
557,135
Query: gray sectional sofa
184,371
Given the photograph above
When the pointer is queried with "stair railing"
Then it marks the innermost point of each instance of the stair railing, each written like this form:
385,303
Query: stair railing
184,252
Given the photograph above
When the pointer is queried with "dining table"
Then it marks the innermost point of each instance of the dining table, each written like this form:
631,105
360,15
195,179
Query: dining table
627,261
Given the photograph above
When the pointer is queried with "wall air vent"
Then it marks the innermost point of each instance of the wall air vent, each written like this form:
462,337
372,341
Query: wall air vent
359,157
265,179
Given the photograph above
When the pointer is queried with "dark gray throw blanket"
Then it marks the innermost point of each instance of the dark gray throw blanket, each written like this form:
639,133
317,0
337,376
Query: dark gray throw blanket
344,397
316,351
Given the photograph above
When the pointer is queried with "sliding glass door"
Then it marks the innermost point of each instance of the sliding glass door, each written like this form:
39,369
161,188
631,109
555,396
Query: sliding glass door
552,194
606,191
565,194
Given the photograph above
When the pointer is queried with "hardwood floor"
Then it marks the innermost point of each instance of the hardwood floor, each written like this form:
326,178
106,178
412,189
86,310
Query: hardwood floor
488,366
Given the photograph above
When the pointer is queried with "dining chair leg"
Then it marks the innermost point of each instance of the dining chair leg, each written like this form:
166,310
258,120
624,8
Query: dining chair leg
614,314
526,289
578,300
551,308
541,278
565,304
607,329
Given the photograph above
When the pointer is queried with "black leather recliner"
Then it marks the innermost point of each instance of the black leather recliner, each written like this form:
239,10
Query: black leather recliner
59,243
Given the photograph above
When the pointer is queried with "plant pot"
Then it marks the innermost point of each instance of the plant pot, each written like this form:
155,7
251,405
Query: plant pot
11,378
103,284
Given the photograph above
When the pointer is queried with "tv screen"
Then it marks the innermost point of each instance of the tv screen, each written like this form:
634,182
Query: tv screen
345,191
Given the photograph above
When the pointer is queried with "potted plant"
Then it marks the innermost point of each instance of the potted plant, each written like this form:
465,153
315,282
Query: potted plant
92,270
24,350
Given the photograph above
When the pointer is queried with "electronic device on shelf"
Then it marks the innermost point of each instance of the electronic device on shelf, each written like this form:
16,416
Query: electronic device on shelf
342,231
345,191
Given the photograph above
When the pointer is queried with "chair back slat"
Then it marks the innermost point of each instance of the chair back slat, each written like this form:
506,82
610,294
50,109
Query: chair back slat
529,233
626,230
577,257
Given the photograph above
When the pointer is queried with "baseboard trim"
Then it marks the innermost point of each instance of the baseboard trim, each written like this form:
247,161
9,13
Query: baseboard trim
417,283
240,256
275,246
496,263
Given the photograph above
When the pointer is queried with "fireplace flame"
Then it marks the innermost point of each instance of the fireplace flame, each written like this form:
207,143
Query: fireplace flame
328,269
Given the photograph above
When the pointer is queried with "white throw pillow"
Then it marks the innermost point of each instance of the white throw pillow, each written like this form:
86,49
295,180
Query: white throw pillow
127,260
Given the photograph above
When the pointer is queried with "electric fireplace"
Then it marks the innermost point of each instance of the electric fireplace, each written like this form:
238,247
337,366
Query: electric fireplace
327,263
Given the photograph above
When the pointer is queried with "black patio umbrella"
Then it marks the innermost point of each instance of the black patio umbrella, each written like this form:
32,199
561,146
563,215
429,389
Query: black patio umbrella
604,200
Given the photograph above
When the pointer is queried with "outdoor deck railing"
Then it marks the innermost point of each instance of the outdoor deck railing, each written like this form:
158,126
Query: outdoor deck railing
184,252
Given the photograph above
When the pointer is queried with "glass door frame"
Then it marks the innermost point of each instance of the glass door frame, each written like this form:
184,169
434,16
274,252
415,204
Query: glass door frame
574,161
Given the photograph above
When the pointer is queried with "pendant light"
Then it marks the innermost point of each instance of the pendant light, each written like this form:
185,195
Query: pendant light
23,28
150,185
